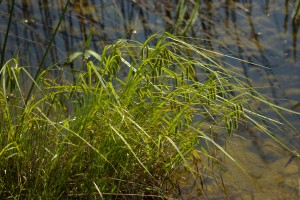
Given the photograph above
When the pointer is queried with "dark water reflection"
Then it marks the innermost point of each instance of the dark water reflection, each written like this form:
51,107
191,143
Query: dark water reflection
258,31
261,32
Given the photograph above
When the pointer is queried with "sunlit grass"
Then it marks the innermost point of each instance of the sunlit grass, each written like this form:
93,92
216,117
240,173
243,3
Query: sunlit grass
123,123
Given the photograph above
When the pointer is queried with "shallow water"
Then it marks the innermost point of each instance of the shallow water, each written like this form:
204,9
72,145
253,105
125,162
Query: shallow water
259,31
266,178
265,163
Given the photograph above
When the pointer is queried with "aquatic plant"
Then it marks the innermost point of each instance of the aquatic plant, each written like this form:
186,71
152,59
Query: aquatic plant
123,123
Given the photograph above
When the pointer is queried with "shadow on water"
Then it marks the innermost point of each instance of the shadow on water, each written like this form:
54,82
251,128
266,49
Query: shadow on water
261,32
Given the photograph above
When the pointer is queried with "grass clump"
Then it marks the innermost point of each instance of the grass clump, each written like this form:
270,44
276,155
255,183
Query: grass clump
121,124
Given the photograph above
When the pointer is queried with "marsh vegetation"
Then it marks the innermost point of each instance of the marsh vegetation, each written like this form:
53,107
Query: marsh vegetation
134,120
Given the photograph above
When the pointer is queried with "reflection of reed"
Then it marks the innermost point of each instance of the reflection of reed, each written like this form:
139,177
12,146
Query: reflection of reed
111,20
11,11
295,37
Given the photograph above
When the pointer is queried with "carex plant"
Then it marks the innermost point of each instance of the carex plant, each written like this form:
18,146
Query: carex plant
122,123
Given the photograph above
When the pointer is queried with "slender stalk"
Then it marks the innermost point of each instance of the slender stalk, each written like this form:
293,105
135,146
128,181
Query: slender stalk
46,52
6,33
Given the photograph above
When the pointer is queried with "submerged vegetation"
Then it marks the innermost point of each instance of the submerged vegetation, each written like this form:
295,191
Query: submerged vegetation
123,123
130,122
